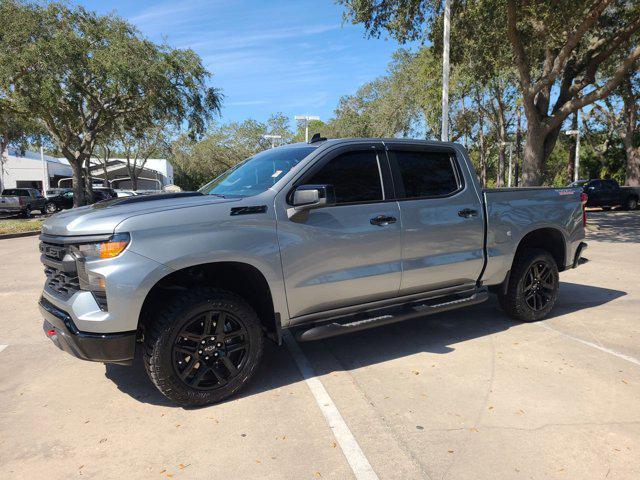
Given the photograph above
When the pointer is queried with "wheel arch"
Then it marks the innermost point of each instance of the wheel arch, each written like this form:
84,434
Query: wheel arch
241,278
547,238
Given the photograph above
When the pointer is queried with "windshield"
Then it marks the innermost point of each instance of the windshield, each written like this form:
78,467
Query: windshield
258,173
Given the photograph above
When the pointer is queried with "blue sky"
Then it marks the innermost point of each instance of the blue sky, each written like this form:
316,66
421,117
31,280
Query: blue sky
295,57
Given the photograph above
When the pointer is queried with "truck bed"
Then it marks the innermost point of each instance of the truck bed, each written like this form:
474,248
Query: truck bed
511,213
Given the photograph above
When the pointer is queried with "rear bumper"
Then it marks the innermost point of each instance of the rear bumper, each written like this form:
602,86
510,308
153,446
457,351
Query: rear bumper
577,258
97,347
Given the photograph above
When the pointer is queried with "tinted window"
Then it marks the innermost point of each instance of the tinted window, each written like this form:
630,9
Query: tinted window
426,174
16,192
609,185
355,177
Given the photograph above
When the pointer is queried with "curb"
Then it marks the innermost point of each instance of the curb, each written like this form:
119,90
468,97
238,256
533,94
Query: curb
18,235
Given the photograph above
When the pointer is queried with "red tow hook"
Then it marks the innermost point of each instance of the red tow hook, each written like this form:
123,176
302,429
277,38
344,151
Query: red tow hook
51,333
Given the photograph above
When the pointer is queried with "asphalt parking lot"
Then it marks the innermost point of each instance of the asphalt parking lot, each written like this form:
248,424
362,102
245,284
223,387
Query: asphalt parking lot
467,394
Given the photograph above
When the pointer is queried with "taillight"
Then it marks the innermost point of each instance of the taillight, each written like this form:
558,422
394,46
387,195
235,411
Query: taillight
21,200
583,201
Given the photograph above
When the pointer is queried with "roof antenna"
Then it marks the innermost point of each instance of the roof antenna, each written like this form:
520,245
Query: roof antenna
317,138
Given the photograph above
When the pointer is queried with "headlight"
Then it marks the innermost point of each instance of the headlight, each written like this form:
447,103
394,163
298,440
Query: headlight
108,249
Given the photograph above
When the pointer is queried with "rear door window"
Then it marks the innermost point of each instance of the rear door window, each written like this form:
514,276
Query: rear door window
427,174
355,177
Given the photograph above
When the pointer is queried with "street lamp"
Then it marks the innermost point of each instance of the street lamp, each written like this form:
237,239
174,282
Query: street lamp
444,134
306,119
576,160
504,144
273,139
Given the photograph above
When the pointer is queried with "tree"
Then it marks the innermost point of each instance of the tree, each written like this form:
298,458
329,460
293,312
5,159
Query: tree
139,145
16,130
558,49
196,162
80,73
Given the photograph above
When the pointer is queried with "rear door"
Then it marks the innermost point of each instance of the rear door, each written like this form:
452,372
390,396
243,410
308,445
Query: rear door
610,193
442,218
342,256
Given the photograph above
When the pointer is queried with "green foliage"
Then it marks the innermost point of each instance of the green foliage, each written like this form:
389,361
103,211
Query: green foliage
81,74
224,146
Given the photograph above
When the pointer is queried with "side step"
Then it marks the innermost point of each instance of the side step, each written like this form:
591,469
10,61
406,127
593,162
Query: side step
363,321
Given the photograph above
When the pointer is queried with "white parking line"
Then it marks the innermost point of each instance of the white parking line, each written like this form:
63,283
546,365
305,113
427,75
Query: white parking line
357,461
593,345
2,347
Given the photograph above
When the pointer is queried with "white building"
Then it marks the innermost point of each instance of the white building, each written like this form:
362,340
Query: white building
30,170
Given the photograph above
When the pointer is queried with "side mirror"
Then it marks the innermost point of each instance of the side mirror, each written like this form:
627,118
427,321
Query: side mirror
309,197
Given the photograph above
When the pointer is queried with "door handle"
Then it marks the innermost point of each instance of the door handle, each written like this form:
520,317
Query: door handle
468,212
382,220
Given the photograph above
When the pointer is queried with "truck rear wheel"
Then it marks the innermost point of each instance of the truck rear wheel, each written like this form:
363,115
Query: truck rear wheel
533,286
203,347
631,203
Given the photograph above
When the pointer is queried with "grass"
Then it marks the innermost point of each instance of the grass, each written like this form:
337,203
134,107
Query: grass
15,225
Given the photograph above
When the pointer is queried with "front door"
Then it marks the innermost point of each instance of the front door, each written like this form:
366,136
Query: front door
341,255
442,218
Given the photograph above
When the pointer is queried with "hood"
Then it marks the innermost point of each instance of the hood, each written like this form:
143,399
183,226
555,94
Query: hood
103,217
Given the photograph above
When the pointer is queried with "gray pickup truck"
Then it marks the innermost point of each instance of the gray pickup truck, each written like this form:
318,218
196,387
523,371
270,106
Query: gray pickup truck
22,201
321,238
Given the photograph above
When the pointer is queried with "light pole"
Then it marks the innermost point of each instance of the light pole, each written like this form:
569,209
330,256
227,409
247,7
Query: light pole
576,161
510,161
306,119
273,139
444,136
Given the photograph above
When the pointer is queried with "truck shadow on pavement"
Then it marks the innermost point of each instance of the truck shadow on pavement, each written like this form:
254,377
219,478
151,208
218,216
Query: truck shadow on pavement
436,334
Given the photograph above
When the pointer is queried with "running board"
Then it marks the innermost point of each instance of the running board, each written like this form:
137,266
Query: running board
355,323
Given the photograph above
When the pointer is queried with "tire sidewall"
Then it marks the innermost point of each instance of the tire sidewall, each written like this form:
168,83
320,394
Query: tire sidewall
161,365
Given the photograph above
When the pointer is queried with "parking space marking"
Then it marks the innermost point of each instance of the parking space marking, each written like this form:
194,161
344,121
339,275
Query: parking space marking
628,358
355,456
2,347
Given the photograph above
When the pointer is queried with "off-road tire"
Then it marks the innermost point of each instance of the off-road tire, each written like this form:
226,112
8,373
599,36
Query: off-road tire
514,301
167,322
631,203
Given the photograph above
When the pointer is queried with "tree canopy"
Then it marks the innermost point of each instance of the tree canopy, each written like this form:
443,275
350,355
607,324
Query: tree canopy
80,74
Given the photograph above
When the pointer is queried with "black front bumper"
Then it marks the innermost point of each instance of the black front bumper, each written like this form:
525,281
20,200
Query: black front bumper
96,347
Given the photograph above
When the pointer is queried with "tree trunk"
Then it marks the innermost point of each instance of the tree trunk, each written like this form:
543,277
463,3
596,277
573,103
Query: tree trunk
88,182
77,167
538,147
630,113
633,162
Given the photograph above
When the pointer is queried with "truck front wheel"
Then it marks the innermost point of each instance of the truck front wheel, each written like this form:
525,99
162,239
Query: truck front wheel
203,347
533,286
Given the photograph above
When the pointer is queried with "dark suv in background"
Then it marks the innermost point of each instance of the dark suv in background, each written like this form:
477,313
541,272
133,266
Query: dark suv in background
608,193
64,200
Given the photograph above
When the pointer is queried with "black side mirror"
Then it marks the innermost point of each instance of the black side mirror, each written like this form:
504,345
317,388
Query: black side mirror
309,197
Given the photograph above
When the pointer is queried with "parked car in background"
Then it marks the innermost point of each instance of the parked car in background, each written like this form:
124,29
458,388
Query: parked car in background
608,193
65,200
53,192
125,193
22,201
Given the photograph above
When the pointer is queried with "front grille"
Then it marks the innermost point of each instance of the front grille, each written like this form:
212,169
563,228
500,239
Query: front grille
64,285
60,269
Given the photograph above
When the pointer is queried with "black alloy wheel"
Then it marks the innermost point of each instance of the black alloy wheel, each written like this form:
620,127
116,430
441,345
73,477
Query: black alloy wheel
210,350
538,287
202,345
532,287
